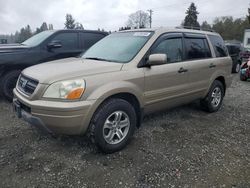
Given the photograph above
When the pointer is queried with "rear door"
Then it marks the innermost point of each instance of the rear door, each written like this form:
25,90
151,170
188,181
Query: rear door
88,39
70,46
199,62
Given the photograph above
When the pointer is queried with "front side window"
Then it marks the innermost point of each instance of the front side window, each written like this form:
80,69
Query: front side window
172,48
197,48
68,40
119,47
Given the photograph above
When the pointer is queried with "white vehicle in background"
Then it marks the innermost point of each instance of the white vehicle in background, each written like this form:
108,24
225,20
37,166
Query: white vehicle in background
245,54
246,40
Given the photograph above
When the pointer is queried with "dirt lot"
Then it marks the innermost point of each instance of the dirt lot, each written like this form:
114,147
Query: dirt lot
183,147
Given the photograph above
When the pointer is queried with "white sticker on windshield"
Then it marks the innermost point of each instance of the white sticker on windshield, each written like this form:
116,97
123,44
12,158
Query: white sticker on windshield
141,34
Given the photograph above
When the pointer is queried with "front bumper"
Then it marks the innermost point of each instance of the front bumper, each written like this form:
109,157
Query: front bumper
71,118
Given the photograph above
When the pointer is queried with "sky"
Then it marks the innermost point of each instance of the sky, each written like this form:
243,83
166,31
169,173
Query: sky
110,14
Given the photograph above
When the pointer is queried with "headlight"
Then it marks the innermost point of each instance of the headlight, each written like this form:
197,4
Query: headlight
70,89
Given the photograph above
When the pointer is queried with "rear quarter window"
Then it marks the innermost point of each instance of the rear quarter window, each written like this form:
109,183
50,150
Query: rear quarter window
218,45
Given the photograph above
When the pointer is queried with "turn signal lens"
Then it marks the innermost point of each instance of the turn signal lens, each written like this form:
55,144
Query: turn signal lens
75,94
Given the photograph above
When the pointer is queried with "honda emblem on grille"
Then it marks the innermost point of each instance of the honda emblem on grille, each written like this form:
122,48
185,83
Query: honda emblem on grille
24,83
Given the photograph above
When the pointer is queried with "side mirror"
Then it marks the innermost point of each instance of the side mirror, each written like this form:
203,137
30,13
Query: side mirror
157,59
54,44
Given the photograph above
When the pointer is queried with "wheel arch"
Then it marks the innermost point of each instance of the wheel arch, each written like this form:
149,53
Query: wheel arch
222,80
129,97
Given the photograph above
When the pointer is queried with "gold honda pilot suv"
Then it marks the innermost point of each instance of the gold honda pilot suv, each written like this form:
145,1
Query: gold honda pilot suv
107,91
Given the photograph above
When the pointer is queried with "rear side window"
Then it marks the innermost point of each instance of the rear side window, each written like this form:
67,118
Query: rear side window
219,46
172,48
197,48
68,40
88,39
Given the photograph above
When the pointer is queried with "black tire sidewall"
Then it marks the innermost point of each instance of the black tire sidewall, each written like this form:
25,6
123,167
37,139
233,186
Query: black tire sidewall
235,68
100,117
5,83
209,98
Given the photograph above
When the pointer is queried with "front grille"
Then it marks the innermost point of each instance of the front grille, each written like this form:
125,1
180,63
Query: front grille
27,85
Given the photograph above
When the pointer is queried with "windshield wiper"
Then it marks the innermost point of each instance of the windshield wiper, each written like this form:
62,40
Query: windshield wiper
98,59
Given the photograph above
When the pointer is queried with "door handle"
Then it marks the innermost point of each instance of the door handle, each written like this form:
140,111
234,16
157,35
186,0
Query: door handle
212,65
181,70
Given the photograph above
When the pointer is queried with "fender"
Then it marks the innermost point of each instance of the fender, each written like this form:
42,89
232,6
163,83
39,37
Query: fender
218,74
113,88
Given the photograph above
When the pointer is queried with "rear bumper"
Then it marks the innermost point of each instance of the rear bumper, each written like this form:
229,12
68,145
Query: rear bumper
71,118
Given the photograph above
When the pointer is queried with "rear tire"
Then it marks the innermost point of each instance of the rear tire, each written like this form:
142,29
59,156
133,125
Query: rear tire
113,125
8,83
236,68
213,101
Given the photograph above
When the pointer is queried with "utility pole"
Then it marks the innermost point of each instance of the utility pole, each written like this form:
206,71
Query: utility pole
150,17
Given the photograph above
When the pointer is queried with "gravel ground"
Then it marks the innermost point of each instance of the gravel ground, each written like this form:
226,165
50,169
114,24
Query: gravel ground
183,147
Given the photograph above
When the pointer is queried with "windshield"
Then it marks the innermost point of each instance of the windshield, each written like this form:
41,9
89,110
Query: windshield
38,38
118,47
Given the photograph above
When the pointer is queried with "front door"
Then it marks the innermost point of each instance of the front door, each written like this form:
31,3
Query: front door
166,85
69,47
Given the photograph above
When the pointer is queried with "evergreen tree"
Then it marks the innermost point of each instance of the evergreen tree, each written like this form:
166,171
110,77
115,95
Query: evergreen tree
190,20
206,26
79,26
44,26
24,34
70,22
50,27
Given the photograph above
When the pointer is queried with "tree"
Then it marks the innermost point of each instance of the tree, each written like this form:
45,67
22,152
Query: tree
229,28
50,26
206,26
124,28
139,19
70,22
43,27
24,34
191,17
248,16
79,26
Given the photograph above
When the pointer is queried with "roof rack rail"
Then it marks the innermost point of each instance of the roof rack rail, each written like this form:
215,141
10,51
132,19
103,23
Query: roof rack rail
194,28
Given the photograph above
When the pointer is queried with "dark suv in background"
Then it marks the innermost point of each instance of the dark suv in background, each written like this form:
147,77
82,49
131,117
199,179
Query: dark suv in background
46,46
234,50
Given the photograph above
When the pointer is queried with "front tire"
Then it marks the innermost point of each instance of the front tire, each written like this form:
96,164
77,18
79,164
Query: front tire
113,125
213,101
8,83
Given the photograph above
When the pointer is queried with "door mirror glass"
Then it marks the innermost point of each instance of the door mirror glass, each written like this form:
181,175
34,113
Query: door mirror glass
157,59
54,44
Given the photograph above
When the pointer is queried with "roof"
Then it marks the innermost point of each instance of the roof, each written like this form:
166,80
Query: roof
166,29
81,30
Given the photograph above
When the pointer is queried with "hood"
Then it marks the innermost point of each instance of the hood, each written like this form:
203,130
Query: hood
8,48
69,68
